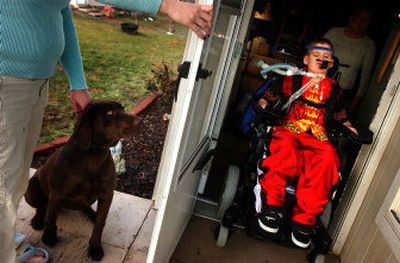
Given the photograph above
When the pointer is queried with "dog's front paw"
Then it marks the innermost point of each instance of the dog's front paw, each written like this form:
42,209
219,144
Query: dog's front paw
37,222
96,252
50,238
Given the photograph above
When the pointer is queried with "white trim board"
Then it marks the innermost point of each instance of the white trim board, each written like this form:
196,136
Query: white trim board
369,158
386,223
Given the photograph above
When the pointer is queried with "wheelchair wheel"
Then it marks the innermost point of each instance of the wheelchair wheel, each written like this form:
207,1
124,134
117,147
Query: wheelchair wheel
315,257
319,258
326,215
229,190
222,234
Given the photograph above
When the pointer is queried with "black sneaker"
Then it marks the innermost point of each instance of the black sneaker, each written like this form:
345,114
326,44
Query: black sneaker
301,238
269,221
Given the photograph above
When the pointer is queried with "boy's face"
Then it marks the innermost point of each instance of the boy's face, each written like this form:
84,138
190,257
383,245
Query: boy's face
314,58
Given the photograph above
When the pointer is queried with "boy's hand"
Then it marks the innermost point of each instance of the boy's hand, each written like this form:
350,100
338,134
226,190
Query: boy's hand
350,127
79,100
263,103
196,17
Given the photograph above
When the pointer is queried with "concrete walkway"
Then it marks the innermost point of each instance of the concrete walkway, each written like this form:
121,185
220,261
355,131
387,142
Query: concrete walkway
126,236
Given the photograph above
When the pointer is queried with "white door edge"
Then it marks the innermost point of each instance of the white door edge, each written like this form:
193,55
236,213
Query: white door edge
175,138
170,136
370,156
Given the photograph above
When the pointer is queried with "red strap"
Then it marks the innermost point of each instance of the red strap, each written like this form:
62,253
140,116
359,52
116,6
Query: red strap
287,86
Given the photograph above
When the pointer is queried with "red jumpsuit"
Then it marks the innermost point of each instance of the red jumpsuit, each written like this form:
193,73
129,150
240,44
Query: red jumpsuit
300,149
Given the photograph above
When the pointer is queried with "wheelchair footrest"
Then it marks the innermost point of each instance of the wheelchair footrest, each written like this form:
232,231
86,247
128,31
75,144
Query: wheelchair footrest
321,241
282,237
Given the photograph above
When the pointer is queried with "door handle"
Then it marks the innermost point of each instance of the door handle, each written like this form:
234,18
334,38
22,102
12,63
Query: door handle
203,73
183,72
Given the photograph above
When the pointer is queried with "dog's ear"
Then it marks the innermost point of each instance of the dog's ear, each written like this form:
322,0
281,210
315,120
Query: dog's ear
83,131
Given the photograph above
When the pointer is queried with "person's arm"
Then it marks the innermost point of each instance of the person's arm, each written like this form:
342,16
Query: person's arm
143,6
196,17
71,62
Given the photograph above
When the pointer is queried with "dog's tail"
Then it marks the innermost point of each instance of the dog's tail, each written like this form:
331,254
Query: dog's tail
34,196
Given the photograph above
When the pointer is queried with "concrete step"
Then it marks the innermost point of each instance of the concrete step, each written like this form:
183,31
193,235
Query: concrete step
128,215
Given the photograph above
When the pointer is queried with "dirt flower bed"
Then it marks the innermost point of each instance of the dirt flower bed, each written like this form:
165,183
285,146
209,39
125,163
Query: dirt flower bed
142,152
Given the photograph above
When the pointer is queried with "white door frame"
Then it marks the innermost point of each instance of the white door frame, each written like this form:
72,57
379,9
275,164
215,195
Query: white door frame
171,138
370,156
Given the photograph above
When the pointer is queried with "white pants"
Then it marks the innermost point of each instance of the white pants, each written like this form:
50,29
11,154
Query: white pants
22,105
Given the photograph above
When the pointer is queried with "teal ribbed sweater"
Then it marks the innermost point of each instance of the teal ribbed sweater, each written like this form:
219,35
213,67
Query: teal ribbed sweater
36,34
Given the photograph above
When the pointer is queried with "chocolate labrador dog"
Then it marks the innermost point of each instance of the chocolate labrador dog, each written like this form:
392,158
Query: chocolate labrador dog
81,172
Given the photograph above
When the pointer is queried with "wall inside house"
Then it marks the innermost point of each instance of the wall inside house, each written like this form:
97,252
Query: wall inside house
365,242
375,90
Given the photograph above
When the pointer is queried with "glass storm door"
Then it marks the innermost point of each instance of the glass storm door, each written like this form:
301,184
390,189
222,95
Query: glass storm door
196,119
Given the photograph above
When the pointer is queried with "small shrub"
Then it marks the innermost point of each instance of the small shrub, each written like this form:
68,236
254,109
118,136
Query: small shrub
164,79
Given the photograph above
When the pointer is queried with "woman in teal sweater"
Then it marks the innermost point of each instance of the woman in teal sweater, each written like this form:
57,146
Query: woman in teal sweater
34,36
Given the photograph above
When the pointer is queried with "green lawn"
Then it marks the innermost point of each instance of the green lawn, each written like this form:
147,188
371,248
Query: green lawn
117,65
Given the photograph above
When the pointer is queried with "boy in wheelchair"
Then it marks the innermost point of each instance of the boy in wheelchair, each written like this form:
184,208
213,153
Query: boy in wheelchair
300,148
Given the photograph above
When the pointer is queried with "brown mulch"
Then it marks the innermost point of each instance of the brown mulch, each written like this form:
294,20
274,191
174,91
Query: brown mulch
141,152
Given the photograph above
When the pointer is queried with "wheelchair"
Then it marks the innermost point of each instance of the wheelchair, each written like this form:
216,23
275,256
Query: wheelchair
238,198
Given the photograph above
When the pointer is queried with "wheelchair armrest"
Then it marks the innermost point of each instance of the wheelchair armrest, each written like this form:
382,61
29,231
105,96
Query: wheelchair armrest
364,135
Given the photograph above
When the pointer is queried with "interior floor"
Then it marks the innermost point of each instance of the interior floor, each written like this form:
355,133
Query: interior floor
198,245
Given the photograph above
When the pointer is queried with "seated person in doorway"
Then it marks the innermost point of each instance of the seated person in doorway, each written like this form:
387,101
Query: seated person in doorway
300,148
